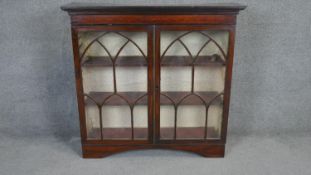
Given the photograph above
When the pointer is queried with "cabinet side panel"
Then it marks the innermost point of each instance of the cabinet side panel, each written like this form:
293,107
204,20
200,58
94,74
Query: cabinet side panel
79,87
228,84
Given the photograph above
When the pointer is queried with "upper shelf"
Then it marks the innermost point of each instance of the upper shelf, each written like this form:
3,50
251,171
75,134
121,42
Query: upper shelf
153,8
131,61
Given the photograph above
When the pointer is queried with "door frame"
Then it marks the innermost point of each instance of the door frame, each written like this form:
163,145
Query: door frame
228,77
79,81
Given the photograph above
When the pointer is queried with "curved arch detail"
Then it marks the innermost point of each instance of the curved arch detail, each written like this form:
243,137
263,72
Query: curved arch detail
201,49
139,98
214,98
174,41
110,56
92,99
178,39
91,43
219,47
185,97
169,98
134,43
119,51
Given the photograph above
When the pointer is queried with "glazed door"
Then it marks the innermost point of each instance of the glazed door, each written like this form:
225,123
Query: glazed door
192,82
114,82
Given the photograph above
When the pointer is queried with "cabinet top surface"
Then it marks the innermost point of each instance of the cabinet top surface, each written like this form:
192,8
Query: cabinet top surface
153,8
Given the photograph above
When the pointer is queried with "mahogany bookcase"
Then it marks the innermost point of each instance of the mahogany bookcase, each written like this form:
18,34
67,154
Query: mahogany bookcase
153,76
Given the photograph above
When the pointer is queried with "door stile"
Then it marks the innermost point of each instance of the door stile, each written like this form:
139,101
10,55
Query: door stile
150,55
157,83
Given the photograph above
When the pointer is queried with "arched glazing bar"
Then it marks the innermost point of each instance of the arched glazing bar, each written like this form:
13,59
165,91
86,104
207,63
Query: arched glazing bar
178,39
173,42
219,47
100,114
91,43
206,112
194,58
176,104
113,59
134,43
176,110
131,105
132,112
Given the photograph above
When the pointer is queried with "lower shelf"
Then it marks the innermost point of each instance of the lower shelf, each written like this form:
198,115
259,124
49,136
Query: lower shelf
119,134
185,133
182,133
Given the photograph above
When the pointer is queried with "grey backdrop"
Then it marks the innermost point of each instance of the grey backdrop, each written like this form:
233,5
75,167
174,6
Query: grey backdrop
271,91
270,115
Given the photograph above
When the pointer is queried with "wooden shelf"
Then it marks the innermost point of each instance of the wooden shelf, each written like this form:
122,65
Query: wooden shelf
119,133
115,100
131,61
166,133
104,61
207,96
209,60
187,133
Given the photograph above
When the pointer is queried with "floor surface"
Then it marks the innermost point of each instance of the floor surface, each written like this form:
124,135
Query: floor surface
249,155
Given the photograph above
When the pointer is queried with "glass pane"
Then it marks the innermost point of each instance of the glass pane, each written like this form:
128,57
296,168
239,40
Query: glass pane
93,120
192,84
140,119
114,72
